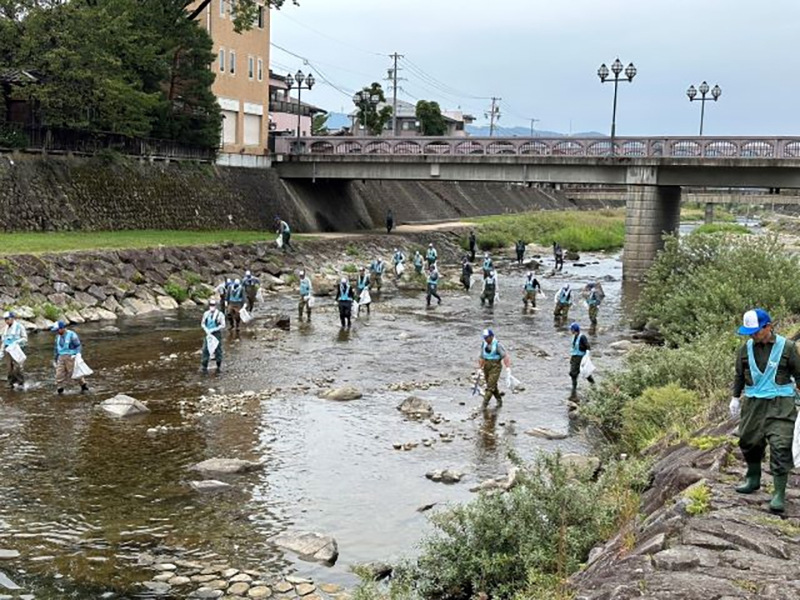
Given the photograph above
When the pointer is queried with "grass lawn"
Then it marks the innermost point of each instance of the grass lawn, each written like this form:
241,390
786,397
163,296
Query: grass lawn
723,228
38,243
574,230
693,212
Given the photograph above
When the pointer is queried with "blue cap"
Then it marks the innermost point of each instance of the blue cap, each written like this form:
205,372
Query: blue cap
575,327
9,315
58,325
754,321
487,333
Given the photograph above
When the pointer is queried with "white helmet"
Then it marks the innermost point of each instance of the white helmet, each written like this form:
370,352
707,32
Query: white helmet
237,282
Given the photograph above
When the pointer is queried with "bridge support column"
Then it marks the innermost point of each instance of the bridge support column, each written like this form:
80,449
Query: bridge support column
709,216
652,211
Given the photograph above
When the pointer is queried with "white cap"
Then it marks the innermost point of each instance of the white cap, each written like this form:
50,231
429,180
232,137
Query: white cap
344,279
247,273
237,282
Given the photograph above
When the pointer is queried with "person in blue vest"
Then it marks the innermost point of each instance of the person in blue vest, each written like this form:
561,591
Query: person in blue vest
377,268
563,302
363,282
223,289
418,262
492,358
345,296
580,348
431,256
433,285
593,301
398,259
488,265
306,292
67,347
250,285
767,371
285,232
235,303
13,333
489,292
530,288
213,323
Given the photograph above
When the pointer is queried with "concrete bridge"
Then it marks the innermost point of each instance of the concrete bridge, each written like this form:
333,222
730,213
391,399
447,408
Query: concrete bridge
652,170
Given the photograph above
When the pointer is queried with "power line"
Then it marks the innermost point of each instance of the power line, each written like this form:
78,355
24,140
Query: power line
327,36
438,83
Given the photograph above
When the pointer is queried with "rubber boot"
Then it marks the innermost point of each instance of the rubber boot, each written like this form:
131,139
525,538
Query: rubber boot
752,479
778,502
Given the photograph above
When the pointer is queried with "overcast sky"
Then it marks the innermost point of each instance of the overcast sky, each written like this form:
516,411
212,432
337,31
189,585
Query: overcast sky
541,57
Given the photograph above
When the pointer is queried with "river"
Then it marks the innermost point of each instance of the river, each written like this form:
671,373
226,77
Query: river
83,495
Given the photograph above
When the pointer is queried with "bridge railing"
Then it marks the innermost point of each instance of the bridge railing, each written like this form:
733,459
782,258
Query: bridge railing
634,147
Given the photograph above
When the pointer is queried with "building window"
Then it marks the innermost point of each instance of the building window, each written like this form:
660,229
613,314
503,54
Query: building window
261,17
222,8
260,70
250,67
222,60
233,62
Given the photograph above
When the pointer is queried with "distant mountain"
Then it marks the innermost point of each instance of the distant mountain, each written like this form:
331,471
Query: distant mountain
526,132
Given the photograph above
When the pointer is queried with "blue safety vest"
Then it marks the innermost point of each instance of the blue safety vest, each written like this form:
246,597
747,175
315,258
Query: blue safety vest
490,352
235,294
305,287
489,282
487,264
764,385
377,266
433,279
285,227
344,292
211,321
564,297
530,284
593,300
68,344
576,345
363,282
417,260
398,258
13,334
432,255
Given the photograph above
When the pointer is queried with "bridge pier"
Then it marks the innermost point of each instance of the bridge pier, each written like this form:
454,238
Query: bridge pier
709,216
652,211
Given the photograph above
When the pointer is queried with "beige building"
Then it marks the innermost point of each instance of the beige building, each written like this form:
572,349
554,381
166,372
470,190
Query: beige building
242,82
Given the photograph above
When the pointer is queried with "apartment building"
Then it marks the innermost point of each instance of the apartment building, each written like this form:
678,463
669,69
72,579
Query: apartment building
242,82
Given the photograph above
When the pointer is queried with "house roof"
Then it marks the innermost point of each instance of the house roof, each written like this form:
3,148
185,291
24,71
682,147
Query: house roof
17,76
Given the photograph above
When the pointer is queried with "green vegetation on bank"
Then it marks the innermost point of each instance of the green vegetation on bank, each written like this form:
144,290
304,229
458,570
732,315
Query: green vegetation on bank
574,230
734,228
694,212
39,243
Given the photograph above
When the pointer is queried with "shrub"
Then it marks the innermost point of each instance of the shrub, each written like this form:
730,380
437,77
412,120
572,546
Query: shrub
178,292
50,311
729,228
12,138
192,278
699,497
350,268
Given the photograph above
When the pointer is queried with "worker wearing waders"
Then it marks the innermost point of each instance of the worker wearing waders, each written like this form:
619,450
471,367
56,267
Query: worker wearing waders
492,358
563,302
580,347
488,265
305,296
213,322
345,296
418,262
767,370
67,347
473,246
13,333
377,268
520,249
397,260
431,256
433,285
466,273
363,283
286,234
530,289
593,302
489,289
235,304
558,255
250,285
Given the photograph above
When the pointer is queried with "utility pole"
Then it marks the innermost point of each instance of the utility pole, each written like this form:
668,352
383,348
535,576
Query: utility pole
393,77
493,114
533,122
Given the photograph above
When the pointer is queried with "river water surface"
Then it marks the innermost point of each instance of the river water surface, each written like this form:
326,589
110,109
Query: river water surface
82,495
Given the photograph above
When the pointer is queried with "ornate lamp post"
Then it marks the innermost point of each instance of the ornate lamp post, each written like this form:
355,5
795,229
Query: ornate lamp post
363,100
603,73
299,79
703,89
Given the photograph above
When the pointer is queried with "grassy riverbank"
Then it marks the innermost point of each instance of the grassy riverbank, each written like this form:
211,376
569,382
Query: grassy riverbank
574,230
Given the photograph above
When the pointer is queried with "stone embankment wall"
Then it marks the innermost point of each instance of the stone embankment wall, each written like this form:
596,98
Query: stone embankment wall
107,285
114,193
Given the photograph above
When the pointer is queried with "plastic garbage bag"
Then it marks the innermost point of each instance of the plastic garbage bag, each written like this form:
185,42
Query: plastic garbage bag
587,366
512,382
211,344
542,295
245,316
310,301
400,269
81,369
16,353
279,241
476,388
365,297
355,309
796,443
259,295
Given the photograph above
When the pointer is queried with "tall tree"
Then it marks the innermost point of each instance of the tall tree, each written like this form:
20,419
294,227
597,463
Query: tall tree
244,12
368,114
319,124
430,118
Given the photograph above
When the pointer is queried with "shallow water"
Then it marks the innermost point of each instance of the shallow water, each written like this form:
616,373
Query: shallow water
81,495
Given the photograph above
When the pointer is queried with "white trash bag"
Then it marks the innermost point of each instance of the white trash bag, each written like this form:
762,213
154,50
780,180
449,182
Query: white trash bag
279,241
400,269
16,353
81,369
212,343
587,366
245,316
365,297
259,295
355,309
310,301
512,383
796,443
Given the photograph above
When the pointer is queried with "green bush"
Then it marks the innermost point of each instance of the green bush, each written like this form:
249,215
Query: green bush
12,138
699,497
50,311
177,291
192,278
668,411
350,268
729,228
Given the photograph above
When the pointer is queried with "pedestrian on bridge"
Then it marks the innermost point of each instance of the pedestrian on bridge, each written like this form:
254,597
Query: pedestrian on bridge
492,358
767,371
14,334
580,349
65,351
213,323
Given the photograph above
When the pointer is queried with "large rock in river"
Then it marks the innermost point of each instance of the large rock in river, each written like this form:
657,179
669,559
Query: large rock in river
416,408
121,406
309,546
343,394
226,466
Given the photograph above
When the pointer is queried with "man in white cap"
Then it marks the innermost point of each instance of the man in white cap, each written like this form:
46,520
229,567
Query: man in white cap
563,302
13,333
345,296
67,347
250,285
431,256
235,304
492,358
213,323
767,371
305,296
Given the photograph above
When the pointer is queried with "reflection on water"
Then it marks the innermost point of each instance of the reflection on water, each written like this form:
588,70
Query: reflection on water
83,495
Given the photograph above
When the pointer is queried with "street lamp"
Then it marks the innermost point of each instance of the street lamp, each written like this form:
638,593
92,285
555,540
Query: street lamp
363,100
603,73
703,89
299,78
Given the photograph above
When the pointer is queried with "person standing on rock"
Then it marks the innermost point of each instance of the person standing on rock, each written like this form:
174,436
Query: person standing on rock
580,348
489,289
473,246
67,347
286,234
377,268
389,221
563,302
488,265
433,285
363,284
306,292
431,256
492,358
558,255
235,303
520,248
466,273
767,371
398,260
14,333
213,323
345,296
250,285
530,289
418,262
